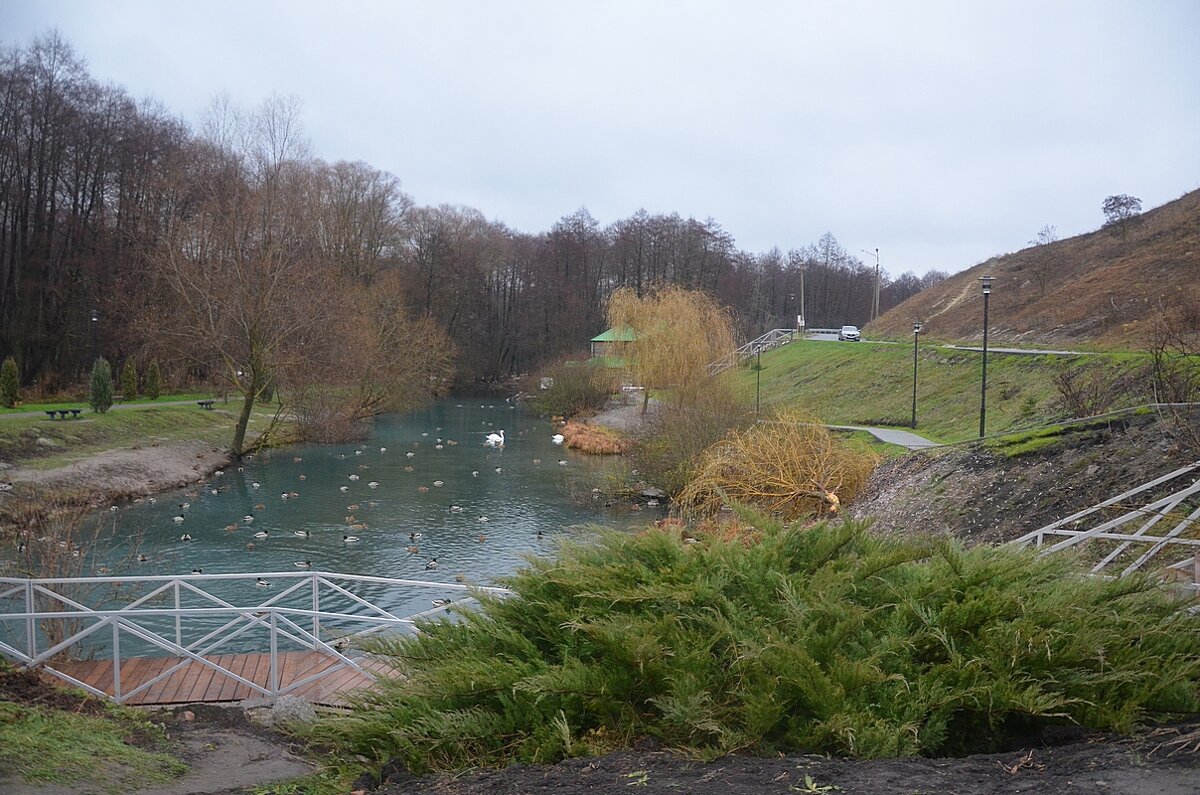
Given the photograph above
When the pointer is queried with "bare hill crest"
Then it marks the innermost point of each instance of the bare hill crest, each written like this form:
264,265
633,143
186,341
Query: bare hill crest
1096,287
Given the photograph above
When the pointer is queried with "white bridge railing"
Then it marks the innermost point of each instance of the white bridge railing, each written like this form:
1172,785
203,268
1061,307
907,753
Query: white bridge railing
769,341
1133,531
43,620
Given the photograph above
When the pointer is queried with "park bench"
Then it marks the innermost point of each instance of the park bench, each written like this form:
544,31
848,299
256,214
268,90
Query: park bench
206,404
51,412
118,399
75,413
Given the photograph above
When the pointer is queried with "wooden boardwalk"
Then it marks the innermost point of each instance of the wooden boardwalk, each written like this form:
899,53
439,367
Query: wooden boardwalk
196,682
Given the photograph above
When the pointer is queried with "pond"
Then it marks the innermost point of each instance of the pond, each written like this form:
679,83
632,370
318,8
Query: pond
424,486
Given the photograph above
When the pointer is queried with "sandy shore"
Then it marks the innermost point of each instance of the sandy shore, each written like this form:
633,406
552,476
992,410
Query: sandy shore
118,474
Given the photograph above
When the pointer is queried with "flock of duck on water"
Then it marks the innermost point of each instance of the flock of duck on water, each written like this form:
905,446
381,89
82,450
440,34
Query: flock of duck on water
493,439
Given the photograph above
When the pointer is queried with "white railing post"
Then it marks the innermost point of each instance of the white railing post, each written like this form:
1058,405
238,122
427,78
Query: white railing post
30,624
274,658
178,618
116,645
316,607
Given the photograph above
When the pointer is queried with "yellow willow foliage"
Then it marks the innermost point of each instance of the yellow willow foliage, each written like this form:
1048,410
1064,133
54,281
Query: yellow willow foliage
789,466
678,333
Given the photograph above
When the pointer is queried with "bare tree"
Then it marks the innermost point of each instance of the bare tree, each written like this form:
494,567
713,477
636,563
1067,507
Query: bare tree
1045,236
1120,211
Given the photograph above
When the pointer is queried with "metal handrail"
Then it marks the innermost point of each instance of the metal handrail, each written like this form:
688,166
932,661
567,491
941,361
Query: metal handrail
281,621
769,341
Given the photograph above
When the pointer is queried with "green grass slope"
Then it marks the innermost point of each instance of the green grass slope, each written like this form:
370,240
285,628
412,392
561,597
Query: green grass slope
871,384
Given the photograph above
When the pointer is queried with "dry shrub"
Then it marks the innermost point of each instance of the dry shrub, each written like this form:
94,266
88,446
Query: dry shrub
594,439
787,467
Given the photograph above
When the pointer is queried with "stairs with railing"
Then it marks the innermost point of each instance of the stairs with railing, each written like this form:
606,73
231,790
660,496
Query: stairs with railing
769,341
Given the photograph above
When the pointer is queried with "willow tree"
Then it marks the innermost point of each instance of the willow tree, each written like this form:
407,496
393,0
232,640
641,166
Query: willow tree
677,333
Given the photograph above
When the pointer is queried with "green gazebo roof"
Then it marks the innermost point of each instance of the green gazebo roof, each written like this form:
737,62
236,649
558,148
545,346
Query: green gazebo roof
622,334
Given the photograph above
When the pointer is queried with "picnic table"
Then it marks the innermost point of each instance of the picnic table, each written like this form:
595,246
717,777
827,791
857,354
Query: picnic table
206,404
62,413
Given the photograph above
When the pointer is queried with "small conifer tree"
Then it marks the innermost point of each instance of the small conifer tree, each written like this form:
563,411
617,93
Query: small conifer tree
100,396
153,380
10,383
129,380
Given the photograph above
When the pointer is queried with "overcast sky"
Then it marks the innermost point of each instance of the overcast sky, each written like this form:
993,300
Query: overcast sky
941,133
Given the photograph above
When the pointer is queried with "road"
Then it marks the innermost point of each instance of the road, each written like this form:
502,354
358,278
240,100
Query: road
827,337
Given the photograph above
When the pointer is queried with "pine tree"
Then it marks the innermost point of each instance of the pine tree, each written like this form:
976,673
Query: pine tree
153,381
129,380
100,396
10,383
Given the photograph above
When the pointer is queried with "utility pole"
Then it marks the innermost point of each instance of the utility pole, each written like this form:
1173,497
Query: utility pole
875,298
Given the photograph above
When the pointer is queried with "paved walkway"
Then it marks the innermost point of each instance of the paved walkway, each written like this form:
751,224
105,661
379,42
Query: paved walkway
892,436
1031,351
121,407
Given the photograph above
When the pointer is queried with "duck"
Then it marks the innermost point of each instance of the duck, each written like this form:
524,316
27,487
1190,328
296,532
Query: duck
557,438
383,449
562,462
232,527
301,533
354,477
455,509
343,489
183,506
374,484
186,537
409,454
261,583
412,550
495,439
178,519
349,539
422,489
431,564
414,536
256,485
483,519
262,534
283,496
303,564
438,483
441,602
248,518
143,558
197,571
474,474
499,470
482,538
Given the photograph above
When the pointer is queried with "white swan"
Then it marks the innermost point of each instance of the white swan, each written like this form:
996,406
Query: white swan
496,439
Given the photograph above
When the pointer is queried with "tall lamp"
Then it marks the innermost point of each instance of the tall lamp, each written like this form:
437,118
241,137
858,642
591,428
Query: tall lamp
916,334
986,281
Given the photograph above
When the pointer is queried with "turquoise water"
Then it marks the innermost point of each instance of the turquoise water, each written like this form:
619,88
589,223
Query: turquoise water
331,496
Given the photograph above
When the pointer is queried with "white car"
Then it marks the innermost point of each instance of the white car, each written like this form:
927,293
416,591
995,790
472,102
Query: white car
849,333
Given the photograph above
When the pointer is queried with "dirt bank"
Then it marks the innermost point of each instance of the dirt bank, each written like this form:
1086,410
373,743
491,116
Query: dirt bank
120,474
999,491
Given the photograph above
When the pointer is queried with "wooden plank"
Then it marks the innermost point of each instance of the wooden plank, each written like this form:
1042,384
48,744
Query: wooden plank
181,680
229,685
149,668
191,683
130,673
155,694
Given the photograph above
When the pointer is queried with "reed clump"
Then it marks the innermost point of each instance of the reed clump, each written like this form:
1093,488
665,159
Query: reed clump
825,639
789,466
594,439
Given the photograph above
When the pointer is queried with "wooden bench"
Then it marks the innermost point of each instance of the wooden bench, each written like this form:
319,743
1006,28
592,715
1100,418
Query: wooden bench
118,399
206,404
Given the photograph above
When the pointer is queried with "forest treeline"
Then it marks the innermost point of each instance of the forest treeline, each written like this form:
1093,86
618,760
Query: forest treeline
104,199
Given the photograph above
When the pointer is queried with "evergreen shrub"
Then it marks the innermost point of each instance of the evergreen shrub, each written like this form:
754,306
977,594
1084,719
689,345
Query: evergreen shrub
100,391
829,639
10,383
129,380
153,380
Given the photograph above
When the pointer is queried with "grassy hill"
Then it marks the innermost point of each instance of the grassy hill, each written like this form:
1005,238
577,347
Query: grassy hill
1093,289
868,383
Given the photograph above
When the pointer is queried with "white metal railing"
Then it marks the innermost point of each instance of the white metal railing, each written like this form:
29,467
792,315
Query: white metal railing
293,614
1131,551
769,341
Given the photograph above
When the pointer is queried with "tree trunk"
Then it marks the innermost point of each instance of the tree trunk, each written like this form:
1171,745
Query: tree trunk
239,433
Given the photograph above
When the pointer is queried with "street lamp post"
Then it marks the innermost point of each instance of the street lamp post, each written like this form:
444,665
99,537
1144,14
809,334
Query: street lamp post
792,303
986,281
916,333
94,324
